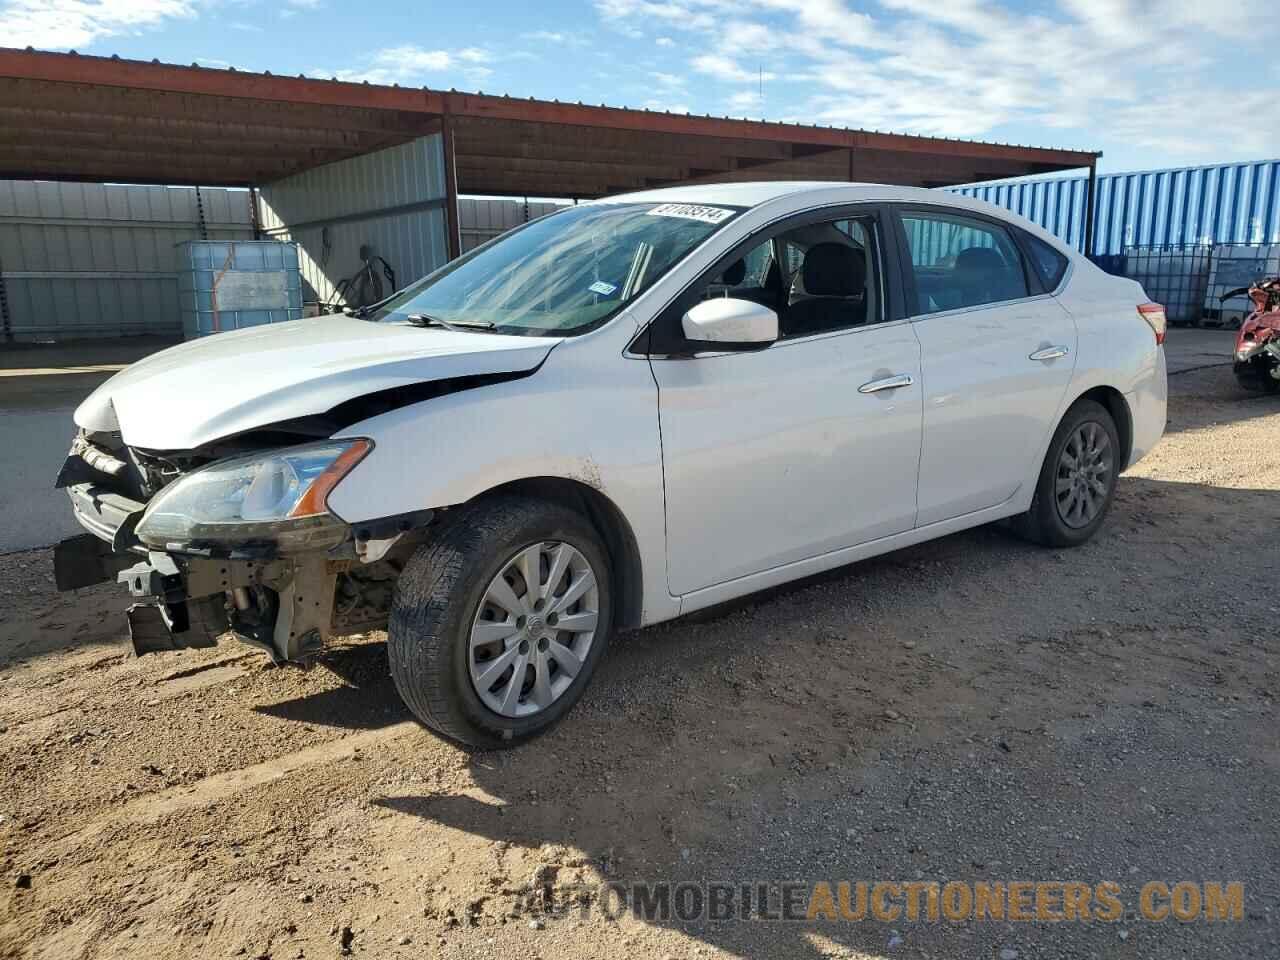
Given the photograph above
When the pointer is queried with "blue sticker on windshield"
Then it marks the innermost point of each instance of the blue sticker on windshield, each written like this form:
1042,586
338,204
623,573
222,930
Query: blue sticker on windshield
602,288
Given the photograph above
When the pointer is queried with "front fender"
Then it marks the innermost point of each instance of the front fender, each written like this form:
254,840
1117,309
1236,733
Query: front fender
588,414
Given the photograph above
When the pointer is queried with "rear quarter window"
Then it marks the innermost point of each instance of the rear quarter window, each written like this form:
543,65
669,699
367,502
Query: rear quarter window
1049,265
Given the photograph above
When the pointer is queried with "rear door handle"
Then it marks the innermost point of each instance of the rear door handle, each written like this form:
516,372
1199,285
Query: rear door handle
887,383
1049,353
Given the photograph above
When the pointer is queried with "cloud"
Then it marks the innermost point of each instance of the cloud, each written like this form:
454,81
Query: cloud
624,15
1140,72
565,37
663,106
664,42
723,68
413,65
72,24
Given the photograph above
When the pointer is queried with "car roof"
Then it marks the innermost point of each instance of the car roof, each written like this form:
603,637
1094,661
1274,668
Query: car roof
755,193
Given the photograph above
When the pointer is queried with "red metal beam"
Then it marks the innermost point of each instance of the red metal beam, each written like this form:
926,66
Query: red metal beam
147,176
140,75
147,143
91,157
67,99
24,125
137,75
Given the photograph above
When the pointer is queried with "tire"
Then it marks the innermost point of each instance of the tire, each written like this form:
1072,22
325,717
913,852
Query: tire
443,594
1045,522
1255,379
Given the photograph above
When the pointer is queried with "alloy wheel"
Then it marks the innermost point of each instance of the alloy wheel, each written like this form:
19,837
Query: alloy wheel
1084,475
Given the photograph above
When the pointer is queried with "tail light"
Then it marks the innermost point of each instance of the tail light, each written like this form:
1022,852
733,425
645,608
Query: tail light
1153,313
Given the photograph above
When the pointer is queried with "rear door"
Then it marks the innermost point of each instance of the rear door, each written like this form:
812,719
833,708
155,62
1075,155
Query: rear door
807,446
997,351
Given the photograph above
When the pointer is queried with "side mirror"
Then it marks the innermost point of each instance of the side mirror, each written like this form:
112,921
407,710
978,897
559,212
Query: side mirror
731,324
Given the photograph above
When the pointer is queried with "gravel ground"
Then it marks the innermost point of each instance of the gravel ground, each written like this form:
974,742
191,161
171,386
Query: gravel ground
971,709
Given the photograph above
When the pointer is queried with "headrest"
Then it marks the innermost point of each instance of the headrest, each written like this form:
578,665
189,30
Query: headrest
834,270
735,273
979,259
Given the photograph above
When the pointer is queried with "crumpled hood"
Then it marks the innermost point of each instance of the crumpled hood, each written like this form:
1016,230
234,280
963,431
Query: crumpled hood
217,386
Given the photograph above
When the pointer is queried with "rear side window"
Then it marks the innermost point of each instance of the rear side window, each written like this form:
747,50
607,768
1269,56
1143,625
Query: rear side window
958,261
1050,265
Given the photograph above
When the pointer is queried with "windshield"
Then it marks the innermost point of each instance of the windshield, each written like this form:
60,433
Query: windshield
562,274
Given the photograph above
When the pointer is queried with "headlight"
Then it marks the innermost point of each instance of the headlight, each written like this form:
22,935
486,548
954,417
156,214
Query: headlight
277,499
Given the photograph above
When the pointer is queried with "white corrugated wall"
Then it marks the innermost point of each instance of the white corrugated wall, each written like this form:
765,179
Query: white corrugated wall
98,260
483,218
392,201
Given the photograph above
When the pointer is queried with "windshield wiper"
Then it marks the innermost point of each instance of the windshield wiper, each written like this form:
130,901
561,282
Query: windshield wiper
423,320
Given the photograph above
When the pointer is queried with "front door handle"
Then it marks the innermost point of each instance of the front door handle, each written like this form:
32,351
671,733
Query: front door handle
887,383
1049,353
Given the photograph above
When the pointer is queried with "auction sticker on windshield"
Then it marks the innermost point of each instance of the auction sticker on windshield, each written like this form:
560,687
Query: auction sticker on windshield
691,211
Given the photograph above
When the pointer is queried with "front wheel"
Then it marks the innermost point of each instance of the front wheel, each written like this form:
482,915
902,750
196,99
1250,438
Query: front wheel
500,620
1077,481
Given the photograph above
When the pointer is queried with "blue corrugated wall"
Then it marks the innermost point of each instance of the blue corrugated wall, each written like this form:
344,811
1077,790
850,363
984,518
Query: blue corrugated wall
1230,203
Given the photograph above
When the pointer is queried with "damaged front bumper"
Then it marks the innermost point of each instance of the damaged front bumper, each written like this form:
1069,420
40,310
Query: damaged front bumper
283,606
287,606
1257,364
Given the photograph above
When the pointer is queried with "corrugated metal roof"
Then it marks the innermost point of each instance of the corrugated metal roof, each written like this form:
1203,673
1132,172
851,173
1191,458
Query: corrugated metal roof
72,117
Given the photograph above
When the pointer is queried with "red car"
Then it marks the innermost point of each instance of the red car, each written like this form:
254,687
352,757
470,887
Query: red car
1257,354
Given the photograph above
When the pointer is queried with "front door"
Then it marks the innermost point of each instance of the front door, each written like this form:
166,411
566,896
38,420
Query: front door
807,446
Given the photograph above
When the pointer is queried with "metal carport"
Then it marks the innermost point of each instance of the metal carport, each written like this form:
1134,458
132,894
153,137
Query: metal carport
343,165
73,117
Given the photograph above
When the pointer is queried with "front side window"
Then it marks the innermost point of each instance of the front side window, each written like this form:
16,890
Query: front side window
818,277
563,274
958,261
748,278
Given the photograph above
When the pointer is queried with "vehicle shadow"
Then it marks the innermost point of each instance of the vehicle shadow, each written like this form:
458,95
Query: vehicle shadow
975,708
364,697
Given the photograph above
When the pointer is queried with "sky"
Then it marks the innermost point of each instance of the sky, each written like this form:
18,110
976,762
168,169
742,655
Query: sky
1152,83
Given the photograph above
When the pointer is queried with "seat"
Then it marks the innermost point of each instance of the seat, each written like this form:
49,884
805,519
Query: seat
769,295
835,284
735,273
982,276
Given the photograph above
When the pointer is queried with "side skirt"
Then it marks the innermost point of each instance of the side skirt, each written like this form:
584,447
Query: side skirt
722,592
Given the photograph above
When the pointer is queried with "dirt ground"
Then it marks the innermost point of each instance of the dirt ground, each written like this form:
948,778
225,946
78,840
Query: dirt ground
973,709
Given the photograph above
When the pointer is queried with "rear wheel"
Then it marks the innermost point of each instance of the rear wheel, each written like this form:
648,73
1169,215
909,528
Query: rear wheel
1077,481
499,621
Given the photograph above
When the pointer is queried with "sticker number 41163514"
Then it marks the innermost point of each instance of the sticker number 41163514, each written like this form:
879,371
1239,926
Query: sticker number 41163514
691,211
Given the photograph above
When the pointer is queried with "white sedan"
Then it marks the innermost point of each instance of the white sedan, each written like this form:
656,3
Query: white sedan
609,417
